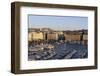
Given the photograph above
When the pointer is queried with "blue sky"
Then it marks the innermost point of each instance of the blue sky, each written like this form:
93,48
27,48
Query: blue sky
58,22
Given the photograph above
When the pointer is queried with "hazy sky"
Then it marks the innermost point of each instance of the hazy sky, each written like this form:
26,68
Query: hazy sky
58,22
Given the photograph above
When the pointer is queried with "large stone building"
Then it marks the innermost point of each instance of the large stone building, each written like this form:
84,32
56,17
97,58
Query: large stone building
72,37
52,36
35,36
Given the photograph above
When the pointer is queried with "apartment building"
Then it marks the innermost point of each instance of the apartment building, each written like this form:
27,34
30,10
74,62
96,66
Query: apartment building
35,36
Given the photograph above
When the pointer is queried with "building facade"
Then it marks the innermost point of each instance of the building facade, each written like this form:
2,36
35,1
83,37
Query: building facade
35,36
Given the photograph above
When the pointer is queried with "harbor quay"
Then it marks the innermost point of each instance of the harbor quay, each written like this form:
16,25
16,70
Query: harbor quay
47,44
